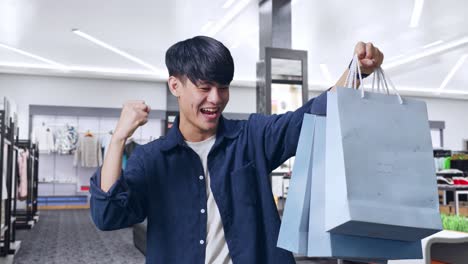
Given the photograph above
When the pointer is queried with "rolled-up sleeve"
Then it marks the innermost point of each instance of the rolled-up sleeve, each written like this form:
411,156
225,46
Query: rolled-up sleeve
126,201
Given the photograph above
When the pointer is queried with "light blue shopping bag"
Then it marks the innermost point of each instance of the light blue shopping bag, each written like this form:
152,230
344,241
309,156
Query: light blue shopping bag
380,175
324,244
293,233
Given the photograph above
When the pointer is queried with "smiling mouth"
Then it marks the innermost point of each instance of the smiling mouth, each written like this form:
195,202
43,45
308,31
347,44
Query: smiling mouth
212,111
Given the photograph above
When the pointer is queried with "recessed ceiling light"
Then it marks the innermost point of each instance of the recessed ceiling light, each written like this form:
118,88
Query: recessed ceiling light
417,10
118,51
452,72
28,54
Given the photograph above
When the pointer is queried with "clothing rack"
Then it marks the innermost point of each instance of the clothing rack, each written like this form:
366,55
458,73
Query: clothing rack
28,217
8,135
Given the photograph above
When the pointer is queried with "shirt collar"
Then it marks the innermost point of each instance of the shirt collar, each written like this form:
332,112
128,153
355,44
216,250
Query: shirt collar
226,129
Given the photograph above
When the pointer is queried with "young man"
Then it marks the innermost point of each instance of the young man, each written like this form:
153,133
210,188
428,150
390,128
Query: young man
204,188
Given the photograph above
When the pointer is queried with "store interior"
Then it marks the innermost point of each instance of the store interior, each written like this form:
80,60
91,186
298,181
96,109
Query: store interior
67,67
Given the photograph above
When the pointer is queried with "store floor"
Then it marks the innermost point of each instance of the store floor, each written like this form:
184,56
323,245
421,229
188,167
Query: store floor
70,237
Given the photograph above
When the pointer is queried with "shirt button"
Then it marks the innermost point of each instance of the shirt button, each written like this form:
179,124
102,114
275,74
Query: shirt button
202,211
201,177
202,242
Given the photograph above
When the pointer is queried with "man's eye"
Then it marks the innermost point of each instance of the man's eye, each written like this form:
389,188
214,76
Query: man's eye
205,88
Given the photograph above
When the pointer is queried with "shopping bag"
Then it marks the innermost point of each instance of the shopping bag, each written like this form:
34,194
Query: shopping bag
379,167
324,244
293,233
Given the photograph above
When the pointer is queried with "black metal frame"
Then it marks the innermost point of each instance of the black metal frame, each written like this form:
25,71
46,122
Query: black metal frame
15,193
265,78
9,134
25,219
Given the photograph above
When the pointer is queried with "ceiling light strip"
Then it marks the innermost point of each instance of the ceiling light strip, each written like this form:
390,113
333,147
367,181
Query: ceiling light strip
228,4
25,53
207,26
118,51
326,72
233,13
452,72
417,11
426,53
435,43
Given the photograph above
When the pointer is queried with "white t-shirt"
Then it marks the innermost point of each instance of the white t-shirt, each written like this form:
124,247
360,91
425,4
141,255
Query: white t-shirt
216,247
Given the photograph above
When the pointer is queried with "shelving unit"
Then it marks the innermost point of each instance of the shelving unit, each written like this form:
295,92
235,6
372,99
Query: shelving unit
8,168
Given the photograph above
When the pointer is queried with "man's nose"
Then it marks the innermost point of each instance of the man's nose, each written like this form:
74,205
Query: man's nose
214,96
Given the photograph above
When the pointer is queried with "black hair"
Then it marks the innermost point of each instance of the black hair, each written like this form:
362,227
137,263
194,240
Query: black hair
200,59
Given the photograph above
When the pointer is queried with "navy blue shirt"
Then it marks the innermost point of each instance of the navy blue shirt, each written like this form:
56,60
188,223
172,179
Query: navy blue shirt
164,182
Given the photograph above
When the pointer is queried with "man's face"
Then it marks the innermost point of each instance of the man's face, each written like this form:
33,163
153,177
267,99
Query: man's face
201,106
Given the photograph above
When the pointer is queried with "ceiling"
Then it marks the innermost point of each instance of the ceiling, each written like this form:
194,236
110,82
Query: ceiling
328,30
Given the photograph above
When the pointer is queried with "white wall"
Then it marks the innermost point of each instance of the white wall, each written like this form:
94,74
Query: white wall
455,115
64,91
44,90
242,100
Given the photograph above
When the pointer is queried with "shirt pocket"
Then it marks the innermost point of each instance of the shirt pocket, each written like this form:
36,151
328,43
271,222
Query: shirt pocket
244,181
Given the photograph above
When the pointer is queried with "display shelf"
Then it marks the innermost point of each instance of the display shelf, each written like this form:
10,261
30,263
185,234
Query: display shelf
57,182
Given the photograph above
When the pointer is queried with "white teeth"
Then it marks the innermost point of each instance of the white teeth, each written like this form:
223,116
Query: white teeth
210,110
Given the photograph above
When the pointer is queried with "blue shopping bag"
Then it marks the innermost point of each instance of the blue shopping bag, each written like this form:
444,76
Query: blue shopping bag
324,244
293,233
380,175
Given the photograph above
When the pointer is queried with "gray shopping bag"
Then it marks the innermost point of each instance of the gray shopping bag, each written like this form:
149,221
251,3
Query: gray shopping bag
380,169
324,244
293,233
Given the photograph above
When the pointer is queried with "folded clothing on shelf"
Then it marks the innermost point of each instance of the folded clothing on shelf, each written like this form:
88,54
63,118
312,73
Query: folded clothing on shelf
443,180
460,180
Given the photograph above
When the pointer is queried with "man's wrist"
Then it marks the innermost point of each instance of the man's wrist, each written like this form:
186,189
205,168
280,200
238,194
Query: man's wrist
118,140
363,75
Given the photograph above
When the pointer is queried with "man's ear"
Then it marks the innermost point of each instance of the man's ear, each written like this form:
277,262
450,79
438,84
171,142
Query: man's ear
174,86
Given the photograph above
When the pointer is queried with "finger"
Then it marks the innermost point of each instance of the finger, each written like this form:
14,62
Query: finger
147,109
360,50
141,107
370,51
144,121
141,114
380,57
135,102
367,63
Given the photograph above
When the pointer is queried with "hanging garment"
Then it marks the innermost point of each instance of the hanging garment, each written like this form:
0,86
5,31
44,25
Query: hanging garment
23,175
45,138
88,152
66,139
